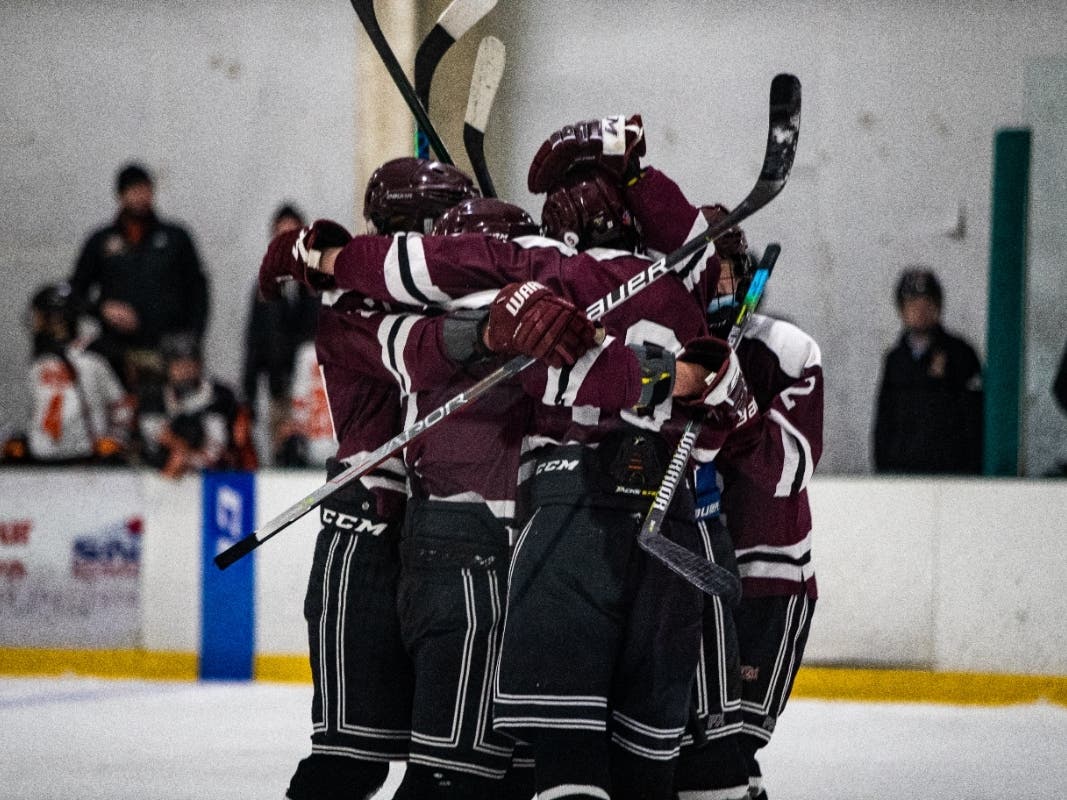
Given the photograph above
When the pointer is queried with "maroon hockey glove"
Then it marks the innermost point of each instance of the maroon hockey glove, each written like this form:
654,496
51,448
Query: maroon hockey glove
294,255
724,398
612,143
527,319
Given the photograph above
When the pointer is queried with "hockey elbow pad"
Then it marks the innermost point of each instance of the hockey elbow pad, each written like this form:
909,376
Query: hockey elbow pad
657,375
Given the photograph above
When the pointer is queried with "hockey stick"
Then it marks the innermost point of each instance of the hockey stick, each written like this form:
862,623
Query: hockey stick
488,69
698,570
777,162
365,11
450,27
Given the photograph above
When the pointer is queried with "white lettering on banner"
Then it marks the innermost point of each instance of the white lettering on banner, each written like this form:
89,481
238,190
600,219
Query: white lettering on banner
559,465
12,569
346,522
15,532
228,508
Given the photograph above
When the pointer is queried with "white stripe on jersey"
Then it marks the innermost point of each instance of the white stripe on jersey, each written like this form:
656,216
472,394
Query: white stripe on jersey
501,509
795,350
393,333
408,247
558,394
572,790
794,552
777,571
797,453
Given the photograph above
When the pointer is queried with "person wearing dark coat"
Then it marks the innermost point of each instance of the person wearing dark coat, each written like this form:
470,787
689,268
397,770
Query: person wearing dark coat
929,410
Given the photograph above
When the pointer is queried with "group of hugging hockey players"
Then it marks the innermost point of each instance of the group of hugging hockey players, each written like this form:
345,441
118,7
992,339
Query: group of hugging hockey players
478,606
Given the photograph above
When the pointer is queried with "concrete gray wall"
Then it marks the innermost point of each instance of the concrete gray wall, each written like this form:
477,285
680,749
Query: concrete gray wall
234,106
237,105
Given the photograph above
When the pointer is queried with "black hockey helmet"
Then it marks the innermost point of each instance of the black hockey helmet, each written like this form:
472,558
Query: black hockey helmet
587,209
176,346
919,282
488,216
409,194
731,246
57,306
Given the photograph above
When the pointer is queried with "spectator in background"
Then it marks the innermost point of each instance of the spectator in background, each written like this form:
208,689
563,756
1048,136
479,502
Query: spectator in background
306,438
191,422
929,413
277,331
80,412
143,279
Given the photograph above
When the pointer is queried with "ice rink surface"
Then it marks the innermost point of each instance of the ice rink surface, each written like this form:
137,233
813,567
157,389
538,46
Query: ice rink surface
131,740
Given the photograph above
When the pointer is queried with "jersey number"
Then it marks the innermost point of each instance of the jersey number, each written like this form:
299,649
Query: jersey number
803,389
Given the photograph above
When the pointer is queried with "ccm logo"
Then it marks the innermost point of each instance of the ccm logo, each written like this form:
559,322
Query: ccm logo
347,522
559,465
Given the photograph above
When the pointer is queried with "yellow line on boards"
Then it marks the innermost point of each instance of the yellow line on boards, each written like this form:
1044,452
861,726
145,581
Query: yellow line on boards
918,686
141,664
816,683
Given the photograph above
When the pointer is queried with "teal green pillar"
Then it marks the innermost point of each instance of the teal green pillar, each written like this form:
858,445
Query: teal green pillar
1005,344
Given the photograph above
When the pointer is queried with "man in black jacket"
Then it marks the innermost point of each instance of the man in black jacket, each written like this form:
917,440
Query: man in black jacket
929,413
143,277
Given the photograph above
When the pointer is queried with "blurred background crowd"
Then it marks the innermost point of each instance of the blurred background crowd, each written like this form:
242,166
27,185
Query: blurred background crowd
118,375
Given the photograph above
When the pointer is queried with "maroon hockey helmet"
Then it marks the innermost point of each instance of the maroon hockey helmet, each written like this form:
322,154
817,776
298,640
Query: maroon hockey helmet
488,216
409,194
587,210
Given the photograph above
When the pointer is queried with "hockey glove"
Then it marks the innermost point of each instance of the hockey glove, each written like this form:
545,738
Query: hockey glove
722,396
527,319
294,255
614,144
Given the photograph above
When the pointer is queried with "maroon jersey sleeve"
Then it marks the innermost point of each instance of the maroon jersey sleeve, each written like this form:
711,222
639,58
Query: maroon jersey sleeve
668,220
420,271
667,217
783,367
405,349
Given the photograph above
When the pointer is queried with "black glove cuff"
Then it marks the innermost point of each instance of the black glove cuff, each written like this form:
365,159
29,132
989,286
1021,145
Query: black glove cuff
657,374
462,336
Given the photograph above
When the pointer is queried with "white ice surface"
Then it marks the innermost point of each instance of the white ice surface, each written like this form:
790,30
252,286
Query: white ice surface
128,740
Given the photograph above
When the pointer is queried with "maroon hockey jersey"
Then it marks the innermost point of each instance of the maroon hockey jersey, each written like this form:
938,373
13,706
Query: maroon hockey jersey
764,468
580,403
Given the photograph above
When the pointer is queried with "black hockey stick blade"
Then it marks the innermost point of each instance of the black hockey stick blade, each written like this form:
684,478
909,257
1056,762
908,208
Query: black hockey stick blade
783,134
780,151
488,70
450,27
365,11
702,573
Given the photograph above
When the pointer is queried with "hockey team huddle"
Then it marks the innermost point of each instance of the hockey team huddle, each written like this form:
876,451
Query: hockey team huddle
478,606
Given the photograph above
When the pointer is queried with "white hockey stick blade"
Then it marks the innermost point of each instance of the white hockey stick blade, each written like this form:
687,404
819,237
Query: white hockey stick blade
461,15
488,70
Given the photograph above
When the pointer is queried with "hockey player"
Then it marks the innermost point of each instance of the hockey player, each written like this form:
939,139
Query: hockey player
80,412
588,471
763,474
765,469
362,674
455,544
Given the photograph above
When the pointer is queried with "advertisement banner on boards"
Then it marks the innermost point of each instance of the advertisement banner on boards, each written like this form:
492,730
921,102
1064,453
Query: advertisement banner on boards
70,558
